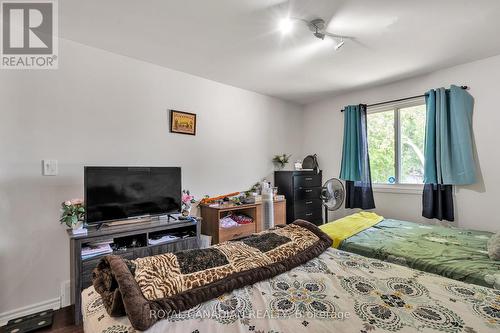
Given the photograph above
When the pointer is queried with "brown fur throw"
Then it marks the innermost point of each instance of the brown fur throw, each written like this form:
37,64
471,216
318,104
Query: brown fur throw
152,288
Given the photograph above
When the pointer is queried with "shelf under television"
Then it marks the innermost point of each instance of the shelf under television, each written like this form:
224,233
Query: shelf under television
133,250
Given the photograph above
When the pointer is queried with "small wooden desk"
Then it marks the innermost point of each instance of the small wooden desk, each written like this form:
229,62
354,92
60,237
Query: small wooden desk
212,215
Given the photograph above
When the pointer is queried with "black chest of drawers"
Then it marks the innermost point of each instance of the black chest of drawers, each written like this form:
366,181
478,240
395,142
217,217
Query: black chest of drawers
302,190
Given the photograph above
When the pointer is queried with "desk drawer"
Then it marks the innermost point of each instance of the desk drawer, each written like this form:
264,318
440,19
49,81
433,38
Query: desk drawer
236,232
307,193
307,181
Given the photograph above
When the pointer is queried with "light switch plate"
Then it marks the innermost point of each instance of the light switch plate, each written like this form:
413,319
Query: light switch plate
49,167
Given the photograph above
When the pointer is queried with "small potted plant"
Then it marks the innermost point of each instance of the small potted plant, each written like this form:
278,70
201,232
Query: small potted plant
73,214
280,161
187,203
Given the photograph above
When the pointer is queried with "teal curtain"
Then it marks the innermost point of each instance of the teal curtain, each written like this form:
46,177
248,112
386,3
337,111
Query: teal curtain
449,154
350,168
355,165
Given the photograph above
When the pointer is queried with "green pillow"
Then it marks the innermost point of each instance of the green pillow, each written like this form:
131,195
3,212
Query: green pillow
494,247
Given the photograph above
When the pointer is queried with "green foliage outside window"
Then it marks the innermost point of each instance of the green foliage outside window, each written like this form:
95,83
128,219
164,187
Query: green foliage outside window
383,146
412,122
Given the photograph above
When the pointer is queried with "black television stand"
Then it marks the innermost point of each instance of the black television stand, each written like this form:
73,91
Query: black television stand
132,242
170,216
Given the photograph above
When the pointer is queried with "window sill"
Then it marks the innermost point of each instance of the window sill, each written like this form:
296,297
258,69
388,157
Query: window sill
398,188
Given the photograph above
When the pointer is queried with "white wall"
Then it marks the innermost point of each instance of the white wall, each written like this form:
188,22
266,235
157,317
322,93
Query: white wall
100,108
476,204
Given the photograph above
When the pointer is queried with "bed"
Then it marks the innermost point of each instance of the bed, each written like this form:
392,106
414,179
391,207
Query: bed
456,253
335,292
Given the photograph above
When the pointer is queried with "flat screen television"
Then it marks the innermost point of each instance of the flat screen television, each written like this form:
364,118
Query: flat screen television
120,193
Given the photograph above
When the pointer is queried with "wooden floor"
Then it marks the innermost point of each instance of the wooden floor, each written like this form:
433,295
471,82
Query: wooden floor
63,323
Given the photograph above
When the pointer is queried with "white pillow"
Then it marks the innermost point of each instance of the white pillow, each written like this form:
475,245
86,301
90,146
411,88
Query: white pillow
494,247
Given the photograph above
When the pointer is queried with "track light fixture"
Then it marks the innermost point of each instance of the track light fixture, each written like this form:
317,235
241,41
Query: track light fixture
319,35
317,26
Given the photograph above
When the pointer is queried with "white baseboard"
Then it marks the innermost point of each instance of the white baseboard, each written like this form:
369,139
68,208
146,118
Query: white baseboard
16,313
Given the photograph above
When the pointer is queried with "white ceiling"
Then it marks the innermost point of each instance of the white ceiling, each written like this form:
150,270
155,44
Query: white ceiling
237,42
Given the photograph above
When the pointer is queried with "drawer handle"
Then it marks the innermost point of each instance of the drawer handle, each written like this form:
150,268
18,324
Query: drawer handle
307,191
236,235
309,214
309,178
308,202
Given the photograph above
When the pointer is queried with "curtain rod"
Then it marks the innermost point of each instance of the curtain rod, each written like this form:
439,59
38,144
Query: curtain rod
401,99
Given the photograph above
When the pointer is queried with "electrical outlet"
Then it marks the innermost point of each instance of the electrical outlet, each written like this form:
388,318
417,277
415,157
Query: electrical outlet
49,167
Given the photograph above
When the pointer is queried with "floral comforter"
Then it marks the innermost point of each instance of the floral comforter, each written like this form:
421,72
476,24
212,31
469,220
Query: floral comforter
336,292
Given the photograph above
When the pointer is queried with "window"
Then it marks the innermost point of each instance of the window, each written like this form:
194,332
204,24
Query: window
396,143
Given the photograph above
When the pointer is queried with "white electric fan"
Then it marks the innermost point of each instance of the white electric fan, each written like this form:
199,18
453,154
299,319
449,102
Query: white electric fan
332,195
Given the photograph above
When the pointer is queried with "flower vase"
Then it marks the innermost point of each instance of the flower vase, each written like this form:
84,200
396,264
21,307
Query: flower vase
279,166
186,210
78,228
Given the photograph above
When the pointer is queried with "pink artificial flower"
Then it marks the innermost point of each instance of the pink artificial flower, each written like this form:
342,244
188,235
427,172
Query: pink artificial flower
186,198
76,201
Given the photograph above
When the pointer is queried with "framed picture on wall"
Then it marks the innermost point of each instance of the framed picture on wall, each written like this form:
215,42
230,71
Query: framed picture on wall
182,122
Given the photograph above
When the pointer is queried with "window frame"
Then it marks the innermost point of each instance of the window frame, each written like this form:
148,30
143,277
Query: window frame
396,107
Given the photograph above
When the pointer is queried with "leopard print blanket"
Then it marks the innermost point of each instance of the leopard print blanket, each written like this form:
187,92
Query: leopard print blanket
157,287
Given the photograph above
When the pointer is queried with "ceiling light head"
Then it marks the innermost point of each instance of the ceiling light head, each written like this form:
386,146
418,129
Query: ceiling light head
285,25
319,35
340,44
